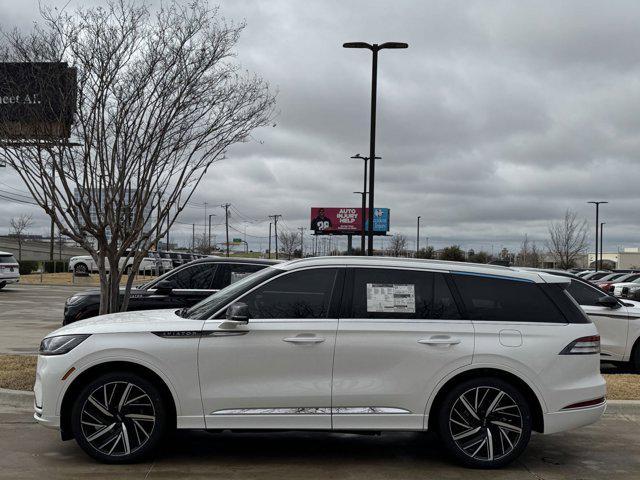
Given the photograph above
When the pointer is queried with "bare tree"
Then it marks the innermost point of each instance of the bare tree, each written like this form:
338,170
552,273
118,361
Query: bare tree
426,252
288,242
567,239
19,226
160,99
529,255
397,245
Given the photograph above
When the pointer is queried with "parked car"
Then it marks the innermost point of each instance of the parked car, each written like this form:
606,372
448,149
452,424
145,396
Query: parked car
617,320
162,265
592,276
181,287
608,278
483,355
621,289
9,269
85,264
608,286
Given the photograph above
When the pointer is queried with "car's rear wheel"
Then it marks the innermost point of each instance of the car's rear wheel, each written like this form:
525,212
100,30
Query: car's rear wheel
119,418
2,285
485,422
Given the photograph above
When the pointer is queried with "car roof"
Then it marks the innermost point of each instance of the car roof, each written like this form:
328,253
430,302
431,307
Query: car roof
5,253
431,265
259,261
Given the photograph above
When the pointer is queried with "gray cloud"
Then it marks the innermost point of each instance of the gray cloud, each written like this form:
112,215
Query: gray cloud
498,117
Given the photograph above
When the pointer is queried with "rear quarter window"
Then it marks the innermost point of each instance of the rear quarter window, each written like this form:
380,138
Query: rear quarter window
506,300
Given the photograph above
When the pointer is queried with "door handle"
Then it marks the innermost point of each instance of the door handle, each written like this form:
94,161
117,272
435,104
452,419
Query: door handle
439,341
303,339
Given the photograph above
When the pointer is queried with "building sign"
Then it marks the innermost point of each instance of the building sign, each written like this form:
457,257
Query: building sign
346,221
37,100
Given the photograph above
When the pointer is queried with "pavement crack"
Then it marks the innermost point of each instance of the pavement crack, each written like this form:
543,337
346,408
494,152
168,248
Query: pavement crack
149,471
533,474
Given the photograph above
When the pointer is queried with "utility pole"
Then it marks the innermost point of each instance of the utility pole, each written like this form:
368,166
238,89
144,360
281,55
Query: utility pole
226,222
418,237
209,236
53,180
205,220
193,237
269,240
275,229
301,241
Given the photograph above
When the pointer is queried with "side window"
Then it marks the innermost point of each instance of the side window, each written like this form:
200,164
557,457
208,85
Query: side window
487,298
584,294
390,293
304,294
232,272
195,277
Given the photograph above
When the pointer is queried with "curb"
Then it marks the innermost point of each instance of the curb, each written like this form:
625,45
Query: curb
24,399
16,398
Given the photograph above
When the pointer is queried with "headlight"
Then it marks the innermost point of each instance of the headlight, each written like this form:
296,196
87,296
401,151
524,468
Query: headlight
61,344
74,299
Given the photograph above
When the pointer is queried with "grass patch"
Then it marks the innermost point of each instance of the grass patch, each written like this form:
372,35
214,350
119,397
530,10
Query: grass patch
17,372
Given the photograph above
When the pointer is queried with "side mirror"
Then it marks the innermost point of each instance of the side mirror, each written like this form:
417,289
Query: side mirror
625,292
164,288
238,312
608,301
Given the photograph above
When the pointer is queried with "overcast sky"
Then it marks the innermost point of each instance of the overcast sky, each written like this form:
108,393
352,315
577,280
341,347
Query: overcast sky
498,117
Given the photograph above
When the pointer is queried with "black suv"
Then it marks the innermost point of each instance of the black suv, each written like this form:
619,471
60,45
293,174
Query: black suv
182,287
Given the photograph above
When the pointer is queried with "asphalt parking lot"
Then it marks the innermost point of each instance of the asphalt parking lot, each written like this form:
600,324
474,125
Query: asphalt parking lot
609,449
28,313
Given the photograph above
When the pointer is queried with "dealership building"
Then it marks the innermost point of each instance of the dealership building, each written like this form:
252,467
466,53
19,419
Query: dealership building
627,258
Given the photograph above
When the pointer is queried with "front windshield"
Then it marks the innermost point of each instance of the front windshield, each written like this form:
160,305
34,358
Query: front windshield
210,305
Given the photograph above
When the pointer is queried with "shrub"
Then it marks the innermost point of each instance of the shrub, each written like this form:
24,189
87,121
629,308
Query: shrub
28,266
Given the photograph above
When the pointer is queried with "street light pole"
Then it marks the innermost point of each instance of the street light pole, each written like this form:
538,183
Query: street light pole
597,204
209,236
375,48
601,243
364,202
418,237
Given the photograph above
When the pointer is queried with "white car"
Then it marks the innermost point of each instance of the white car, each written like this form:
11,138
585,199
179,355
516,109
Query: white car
85,264
617,320
9,269
626,288
483,355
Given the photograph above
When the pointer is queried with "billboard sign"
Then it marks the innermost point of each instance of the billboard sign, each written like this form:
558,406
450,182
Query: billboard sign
346,221
37,100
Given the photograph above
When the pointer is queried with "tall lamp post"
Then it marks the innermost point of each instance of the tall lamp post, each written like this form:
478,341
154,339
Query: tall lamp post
601,242
418,236
364,201
597,204
375,48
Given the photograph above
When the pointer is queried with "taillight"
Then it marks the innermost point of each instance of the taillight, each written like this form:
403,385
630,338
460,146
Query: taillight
583,346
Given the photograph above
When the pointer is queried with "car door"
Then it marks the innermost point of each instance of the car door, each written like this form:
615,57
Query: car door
274,372
399,333
612,323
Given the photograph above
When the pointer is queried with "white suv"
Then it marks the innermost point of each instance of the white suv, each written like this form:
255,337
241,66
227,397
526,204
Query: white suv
9,269
483,355
85,264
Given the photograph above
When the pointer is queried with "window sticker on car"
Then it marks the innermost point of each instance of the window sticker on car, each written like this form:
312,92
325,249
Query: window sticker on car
391,298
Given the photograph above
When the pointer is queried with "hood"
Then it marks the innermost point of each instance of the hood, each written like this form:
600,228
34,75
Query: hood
127,322
632,305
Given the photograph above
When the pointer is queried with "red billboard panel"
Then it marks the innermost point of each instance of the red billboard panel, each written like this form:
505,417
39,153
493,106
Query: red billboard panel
345,221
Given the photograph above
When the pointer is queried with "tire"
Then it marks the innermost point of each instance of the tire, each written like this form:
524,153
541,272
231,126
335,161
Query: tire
2,285
80,269
471,435
635,357
104,427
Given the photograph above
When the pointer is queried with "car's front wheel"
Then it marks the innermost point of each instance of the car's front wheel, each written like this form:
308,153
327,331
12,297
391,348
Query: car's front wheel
2,285
485,422
119,418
